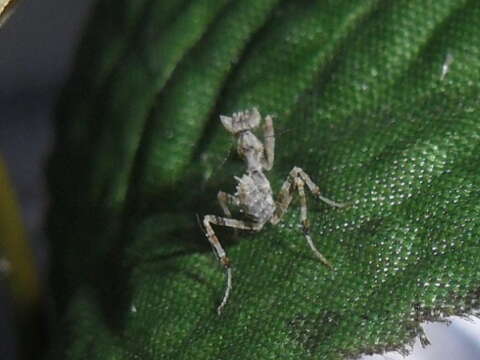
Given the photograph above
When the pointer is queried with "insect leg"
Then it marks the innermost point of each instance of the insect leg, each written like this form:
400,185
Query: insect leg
314,188
224,200
284,199
293,181
305,223
269,139
208,220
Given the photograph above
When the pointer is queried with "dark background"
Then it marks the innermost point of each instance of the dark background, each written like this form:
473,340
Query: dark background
36,53
37,47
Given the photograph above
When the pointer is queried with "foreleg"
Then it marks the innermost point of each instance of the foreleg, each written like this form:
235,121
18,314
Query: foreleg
269,140
224,200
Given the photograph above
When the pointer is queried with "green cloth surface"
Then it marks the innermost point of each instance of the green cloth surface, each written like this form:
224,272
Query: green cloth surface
378,101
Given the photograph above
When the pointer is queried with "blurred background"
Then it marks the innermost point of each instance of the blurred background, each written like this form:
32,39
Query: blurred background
37,48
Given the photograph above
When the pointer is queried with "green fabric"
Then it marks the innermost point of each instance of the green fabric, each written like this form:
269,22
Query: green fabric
363,102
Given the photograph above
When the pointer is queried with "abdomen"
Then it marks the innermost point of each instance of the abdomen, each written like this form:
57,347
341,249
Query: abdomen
255,197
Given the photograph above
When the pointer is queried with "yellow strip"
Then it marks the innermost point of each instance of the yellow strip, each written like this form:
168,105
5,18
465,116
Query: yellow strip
16,256
6,9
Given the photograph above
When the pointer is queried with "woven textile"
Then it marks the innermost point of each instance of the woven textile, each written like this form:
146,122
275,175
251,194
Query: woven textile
378,101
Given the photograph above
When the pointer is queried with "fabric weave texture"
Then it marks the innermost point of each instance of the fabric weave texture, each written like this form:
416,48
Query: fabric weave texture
378,101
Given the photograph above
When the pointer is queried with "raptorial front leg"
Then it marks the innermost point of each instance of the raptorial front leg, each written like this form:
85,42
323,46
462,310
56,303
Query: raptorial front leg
224,200
208,220
269,141
296,180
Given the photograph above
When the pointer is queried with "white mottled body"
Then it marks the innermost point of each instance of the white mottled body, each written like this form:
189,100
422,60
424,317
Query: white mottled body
254,196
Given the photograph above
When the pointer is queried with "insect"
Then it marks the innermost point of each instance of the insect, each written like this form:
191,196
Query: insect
254,196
